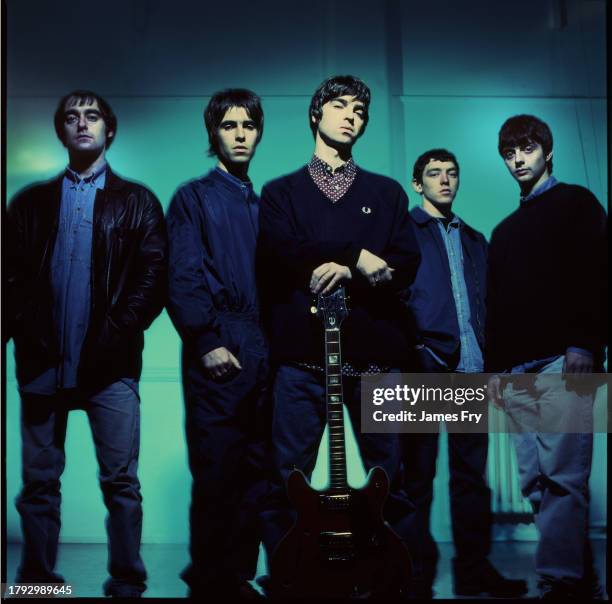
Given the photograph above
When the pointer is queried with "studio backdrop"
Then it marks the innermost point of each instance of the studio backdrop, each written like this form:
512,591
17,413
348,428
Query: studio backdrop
442,74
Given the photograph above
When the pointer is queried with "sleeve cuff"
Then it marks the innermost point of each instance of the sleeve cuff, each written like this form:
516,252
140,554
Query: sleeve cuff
208,341
582,351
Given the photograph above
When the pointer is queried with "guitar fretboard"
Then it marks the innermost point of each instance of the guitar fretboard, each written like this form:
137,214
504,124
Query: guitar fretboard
335,417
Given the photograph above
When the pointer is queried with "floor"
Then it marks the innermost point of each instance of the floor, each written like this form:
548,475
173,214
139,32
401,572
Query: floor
83,565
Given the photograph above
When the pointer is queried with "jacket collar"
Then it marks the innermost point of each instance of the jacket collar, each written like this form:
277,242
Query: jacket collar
113,181
421,217
230,180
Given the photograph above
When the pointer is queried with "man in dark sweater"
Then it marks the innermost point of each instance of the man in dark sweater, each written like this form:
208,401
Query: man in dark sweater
212,228
546,316
447,300
332,223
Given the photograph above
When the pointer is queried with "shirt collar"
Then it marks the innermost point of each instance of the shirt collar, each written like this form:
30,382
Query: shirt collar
243,185
549,183
92,179
348,167
420,216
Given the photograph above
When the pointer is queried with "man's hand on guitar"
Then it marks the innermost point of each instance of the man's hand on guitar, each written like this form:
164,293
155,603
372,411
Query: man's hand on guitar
325,277
220,363
373,268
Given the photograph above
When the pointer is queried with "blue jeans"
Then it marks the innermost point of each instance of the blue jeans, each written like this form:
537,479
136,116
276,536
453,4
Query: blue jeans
554,471
114,417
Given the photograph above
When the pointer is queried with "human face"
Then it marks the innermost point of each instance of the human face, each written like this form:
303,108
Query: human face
236,137
84,128
440,181
342,120
527,164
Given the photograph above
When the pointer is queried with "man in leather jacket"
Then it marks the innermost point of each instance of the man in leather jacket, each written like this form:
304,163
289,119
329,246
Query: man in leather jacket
86,276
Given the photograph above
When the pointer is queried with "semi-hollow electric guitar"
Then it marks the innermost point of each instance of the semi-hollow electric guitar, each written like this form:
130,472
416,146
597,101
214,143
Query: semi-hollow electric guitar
339,546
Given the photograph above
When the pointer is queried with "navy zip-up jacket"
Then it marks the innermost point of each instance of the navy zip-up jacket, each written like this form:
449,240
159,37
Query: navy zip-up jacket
212,230
431,295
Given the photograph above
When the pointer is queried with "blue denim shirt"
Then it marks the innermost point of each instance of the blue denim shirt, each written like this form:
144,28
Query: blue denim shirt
470,359
71,278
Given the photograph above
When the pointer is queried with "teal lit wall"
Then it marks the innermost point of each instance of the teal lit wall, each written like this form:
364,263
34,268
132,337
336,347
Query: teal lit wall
442,74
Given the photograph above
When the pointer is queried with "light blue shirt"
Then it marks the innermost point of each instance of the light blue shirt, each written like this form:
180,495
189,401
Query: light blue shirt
470,360
71,278
549,183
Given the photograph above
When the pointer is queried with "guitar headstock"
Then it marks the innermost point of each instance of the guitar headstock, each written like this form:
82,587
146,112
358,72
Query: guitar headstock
331,308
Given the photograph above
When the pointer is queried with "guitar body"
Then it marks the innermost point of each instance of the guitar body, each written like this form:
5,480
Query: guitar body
340,545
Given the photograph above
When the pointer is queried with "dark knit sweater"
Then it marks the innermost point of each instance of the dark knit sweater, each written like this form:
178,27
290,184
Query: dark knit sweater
300,229
547,281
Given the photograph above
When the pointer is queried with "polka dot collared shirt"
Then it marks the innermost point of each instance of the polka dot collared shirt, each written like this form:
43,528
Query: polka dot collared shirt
332,183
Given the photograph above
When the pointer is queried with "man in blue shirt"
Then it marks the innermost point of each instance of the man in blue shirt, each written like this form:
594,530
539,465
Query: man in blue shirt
212,227
447,302
86,277
547,315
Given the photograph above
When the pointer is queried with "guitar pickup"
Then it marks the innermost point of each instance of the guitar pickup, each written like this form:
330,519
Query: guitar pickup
337,546
336,502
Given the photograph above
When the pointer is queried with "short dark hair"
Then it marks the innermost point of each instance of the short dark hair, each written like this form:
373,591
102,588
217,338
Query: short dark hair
85,97
431,155
332,88
226,99
520,130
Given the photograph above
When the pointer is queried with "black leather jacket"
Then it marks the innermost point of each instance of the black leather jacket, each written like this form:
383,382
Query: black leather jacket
129,275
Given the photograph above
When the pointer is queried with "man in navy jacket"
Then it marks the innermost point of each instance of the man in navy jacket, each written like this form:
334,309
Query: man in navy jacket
332,223
212,228
447,300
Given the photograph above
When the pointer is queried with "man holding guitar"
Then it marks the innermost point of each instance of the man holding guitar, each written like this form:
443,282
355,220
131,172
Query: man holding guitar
332,223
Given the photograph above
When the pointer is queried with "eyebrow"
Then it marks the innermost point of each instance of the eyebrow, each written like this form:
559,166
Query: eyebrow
360,106
247,121
519,144
73,111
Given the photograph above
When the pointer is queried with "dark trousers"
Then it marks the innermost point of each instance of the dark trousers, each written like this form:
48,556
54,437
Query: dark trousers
299,417
470,498
227,425
114,417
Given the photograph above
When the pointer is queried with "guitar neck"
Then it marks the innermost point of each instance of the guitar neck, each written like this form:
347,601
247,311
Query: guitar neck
335,413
